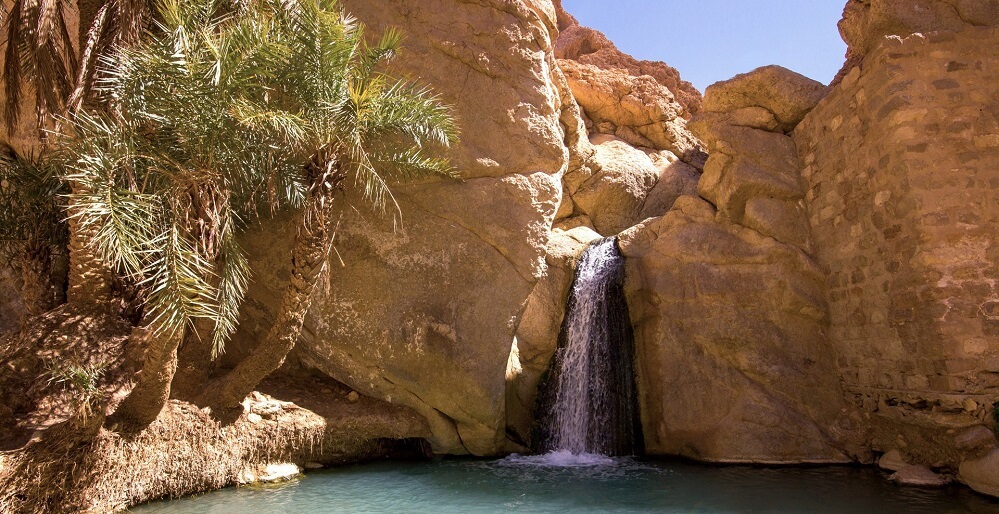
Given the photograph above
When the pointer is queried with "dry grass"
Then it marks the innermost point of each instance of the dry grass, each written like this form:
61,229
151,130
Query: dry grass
72,463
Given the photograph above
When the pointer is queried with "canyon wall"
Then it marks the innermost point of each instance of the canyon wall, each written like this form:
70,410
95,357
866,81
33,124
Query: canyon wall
424,310
727,301
901,162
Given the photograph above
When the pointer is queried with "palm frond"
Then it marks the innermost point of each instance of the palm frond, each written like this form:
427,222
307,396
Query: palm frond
39,57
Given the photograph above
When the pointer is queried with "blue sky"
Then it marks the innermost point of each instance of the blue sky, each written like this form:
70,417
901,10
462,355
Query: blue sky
712,40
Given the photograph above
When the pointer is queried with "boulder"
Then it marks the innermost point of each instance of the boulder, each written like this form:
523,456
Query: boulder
982,474
589,46
637,109
917,476
424,307
892,461
631,185
782,94
975,439
268,473
540,324
753,380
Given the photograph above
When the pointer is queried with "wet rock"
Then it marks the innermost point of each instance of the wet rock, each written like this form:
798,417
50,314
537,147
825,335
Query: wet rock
269,473
892,461
982,474
917,476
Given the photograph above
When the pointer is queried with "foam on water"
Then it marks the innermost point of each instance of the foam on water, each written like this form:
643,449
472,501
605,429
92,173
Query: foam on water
560,459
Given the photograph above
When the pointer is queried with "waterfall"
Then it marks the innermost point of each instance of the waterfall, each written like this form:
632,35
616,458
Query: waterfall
587,403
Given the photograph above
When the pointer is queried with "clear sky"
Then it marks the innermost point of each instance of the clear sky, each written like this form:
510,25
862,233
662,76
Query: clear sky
712,40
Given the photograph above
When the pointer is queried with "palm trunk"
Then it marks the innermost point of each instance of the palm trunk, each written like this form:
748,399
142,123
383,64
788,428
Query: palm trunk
38,289
194,362
89,280
307,259
152,387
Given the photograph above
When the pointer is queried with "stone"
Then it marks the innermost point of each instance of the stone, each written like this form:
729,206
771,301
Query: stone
588,46
313,465
975,439
917,476
785,95
268,473
630,186
916,289
639,109
784,220
423,311
892,461
865,23
353,396
754,381
537,334
254,418
982,474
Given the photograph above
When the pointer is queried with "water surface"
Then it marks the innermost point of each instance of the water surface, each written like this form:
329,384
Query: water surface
580,484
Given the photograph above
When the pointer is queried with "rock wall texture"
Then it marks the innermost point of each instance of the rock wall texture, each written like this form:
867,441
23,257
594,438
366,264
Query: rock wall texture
901,161
727,303
424,312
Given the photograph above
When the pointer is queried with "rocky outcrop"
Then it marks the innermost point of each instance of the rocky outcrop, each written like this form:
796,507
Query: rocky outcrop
631,185
729,338
644,103
866,23
640,156
423,312
588,46
769,98
728,306
900,167
538,332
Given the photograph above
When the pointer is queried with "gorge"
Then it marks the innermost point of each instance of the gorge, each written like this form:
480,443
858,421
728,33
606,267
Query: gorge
811,272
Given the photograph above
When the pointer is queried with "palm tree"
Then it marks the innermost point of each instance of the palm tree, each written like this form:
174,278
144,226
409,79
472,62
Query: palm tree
32,232
44,59
224,112
361,125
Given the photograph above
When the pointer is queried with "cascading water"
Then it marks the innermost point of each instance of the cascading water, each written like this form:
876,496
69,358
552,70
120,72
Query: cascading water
588,403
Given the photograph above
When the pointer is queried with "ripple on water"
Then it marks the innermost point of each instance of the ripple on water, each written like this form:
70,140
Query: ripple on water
563,482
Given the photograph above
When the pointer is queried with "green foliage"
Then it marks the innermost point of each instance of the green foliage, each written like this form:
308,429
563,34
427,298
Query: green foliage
214,118
31,219
84,379
38,56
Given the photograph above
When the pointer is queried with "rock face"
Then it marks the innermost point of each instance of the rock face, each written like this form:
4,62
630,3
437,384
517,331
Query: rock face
537,334
866,23
588,46
425,314
632,185
982,474
639,156
728,306
917,476
901,166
